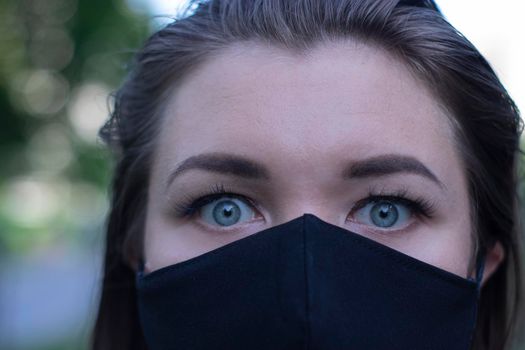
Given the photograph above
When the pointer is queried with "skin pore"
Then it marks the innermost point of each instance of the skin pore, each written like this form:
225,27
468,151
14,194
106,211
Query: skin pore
344,132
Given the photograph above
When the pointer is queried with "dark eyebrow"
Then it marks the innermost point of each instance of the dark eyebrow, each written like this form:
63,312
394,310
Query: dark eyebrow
389,164
241,166
222,163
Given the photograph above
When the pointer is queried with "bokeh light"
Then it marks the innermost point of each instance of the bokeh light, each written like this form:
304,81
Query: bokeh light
60,61
41,92
88,109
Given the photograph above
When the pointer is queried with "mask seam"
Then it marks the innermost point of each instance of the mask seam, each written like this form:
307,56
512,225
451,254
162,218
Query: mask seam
306,289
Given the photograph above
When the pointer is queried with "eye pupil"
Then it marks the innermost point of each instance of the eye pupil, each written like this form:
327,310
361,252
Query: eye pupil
384,214
226,213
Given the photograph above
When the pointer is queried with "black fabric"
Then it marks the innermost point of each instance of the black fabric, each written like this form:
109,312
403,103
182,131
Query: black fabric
306,284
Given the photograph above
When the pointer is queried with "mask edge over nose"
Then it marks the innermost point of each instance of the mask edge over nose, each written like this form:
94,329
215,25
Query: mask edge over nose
314,220
295,286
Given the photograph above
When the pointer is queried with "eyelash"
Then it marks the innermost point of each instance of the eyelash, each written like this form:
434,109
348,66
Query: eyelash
418,205
421,207
191,204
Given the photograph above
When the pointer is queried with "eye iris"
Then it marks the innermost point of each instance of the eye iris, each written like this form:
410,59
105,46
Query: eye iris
226,213
384,214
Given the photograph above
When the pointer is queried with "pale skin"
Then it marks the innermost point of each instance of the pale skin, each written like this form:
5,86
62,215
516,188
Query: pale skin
306,118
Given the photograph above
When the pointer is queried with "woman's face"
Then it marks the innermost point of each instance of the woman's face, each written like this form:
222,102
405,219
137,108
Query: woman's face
344,132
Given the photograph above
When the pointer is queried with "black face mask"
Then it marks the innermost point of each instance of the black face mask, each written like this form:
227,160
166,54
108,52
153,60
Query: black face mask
306,284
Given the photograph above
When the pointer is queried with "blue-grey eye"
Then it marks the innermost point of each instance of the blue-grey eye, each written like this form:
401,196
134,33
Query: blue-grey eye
384,214
226,211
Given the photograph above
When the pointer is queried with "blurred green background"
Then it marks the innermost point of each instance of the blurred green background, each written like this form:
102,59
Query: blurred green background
60,59
59,62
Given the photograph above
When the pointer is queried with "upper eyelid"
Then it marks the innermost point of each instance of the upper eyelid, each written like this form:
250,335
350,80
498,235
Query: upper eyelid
215,196
416,212
359,204
401,193
368,201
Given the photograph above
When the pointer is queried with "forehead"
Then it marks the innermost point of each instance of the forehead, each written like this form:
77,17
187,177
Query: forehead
338,98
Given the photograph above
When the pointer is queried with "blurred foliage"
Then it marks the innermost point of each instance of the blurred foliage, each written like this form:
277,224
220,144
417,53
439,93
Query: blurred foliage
60,59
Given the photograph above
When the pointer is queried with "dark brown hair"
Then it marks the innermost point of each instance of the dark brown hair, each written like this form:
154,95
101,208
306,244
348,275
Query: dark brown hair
485,119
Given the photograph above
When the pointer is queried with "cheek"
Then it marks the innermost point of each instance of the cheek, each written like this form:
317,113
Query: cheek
452,245
167,243
451,252
449,247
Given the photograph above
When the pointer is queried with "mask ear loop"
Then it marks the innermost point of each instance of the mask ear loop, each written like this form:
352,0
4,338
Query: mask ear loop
140,268
480,267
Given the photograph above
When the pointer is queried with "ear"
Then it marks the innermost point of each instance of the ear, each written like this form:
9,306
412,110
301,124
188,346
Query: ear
493,259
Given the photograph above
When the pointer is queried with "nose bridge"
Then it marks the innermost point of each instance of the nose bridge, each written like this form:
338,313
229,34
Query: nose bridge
299,207
308,190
